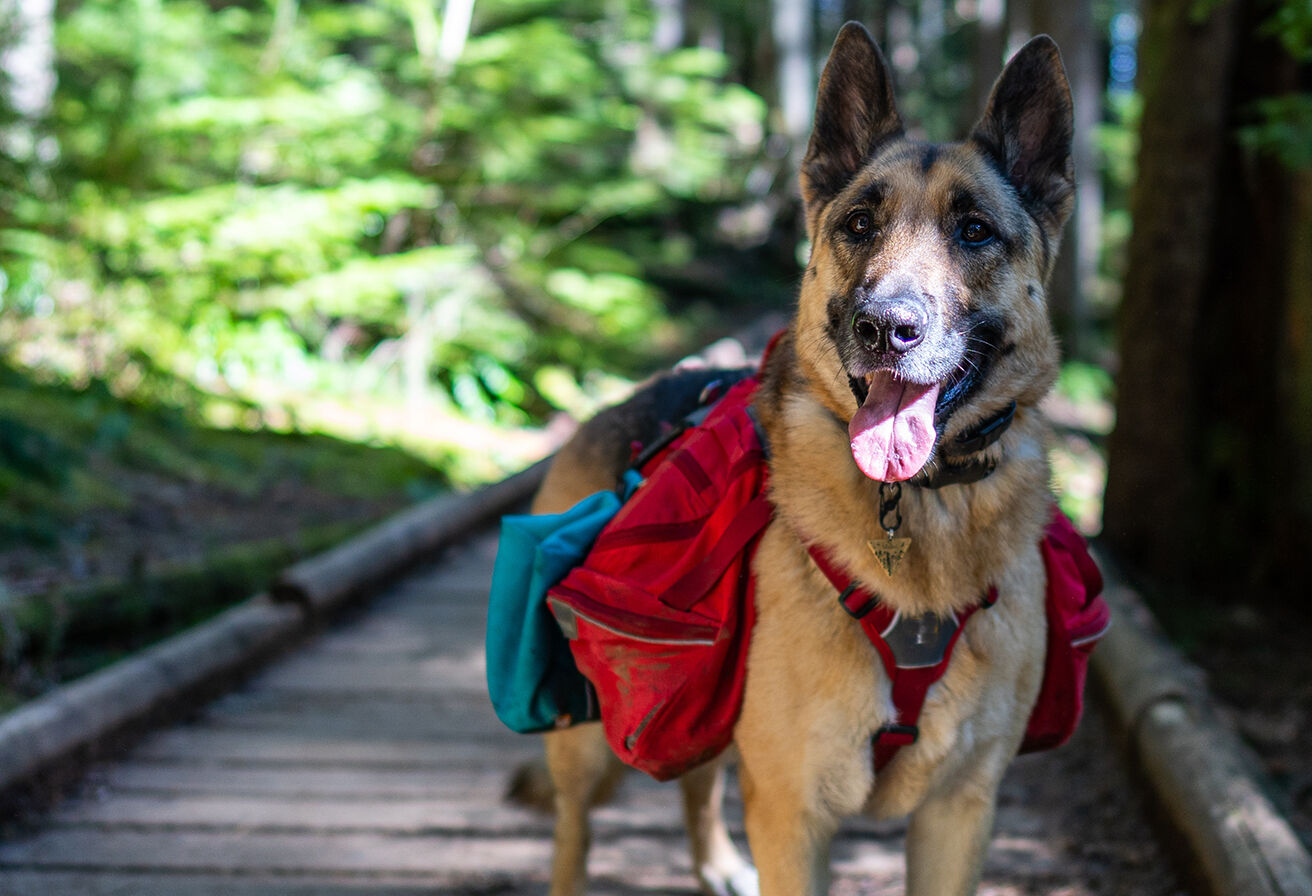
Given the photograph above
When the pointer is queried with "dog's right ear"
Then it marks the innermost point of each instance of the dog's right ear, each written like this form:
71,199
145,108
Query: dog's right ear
854,113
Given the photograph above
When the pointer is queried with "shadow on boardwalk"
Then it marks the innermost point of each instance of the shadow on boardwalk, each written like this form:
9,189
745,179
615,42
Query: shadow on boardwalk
371,762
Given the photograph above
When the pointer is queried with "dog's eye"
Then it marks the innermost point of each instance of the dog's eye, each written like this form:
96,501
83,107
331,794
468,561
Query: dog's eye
860,223
976,233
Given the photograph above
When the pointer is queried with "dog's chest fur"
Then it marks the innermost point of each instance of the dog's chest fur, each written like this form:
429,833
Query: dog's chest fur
964,538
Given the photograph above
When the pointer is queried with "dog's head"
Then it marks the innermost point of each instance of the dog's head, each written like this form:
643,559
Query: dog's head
923,308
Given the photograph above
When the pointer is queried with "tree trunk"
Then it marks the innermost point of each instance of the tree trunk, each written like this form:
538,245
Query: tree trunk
1254,345
990,53
796,68
667,30
1297,384
27,79
1208,478
1155,460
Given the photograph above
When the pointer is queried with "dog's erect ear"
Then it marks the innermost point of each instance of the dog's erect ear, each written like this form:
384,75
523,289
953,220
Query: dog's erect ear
854,113
1028,128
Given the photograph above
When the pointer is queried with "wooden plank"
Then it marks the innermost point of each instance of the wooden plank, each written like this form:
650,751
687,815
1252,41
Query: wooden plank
73,718
209,745
228,852
381,716
102,883
450,857
114,883
478,813
647,860
860,867
314,672
280,782
1204,781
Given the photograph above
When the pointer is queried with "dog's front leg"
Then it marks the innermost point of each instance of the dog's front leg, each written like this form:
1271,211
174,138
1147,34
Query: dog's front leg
949,834
790,843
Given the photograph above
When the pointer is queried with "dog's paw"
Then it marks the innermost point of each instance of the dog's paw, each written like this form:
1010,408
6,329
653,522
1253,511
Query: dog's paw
740,882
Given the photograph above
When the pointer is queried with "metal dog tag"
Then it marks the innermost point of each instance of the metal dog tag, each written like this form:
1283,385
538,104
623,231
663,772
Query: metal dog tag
889,552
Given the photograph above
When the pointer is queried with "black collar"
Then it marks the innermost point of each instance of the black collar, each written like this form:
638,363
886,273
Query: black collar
960,462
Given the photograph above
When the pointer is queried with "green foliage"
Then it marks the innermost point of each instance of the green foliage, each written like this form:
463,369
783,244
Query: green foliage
1117,140
251,209
66,453
1085,384
28,452
1283,124
1291,23
1284,129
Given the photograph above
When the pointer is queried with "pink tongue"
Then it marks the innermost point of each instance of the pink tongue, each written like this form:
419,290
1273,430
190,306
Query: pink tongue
893,432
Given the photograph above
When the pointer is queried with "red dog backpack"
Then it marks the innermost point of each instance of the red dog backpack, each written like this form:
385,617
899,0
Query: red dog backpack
659,614
1077,618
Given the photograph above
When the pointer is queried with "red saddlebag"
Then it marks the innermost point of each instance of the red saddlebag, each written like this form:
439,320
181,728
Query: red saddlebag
1077,618
658,614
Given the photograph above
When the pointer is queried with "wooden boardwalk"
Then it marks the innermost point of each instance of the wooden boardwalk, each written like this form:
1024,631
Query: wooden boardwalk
370,762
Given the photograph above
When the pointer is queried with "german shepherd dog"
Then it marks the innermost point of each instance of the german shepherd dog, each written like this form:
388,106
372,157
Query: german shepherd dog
921,318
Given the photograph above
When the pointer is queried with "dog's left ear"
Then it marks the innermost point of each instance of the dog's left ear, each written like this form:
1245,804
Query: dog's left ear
854,113
1028,128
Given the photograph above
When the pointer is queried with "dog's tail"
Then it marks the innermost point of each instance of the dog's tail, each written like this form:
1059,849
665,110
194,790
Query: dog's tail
531,786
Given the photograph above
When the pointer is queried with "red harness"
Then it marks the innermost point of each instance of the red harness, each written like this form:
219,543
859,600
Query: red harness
659,613
915,651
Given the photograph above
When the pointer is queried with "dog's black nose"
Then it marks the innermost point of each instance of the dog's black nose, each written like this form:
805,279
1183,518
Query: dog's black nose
896,327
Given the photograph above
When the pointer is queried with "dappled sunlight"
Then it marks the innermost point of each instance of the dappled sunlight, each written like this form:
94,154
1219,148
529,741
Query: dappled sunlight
1081,408
312,218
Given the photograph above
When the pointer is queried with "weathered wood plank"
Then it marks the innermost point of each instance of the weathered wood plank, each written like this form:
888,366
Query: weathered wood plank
381,716
365,853
316,673
651,859
117,883
228,852
278,782
1204,778
75,883
449,814
211,745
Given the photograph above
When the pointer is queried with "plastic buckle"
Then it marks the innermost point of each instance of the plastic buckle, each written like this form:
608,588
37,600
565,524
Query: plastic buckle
988,432
897,735
861,611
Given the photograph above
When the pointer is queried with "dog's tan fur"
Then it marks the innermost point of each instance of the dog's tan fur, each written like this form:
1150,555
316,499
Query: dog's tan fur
816,690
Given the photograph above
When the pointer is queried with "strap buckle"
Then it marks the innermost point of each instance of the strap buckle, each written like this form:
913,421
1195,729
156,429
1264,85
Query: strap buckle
987,432
862,610
897,735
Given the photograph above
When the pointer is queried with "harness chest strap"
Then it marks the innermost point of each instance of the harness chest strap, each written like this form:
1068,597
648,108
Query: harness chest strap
915,651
